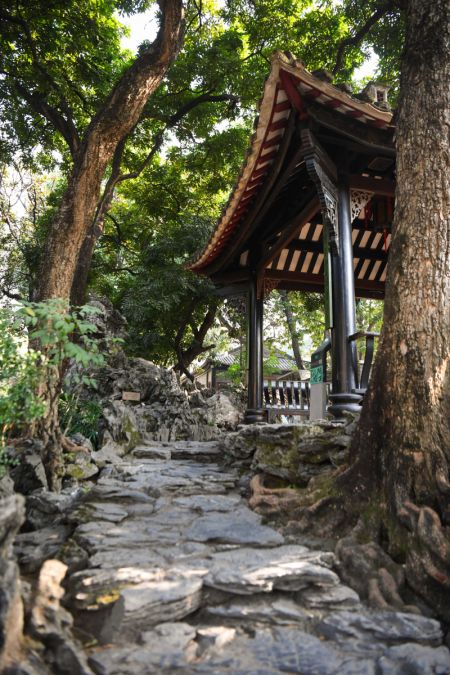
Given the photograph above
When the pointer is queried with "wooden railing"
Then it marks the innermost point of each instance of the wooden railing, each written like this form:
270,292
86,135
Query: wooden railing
362,376
287,397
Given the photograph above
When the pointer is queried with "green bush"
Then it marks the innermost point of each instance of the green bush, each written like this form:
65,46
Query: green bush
20,373
29,371
80,416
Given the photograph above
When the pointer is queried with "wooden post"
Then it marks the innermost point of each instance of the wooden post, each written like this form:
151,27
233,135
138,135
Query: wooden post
255,310
343,352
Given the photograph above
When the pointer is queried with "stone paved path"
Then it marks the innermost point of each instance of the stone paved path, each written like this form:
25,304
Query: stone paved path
184,578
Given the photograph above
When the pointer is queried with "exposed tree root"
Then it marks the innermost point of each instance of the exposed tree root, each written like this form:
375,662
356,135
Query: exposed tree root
417,577
314,510
427,565
69,446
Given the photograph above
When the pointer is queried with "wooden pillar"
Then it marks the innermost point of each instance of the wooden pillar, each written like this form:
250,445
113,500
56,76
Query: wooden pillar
255,310
343,352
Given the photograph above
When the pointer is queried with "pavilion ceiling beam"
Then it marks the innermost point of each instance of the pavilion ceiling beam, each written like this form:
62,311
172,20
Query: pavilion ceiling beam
232,276
378,141
296,281
290,231
379,186
317,247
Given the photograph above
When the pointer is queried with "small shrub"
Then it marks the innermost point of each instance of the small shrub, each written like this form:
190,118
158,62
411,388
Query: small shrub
30,374
20,372
80,416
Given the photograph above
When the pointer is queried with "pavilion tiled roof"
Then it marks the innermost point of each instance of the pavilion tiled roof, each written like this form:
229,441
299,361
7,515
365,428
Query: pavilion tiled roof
288,85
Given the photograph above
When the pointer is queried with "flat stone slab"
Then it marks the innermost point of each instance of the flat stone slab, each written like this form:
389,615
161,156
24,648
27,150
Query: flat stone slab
151,452
137,557
337,597
94,511
259,609
192,450
415,659
271,651
239,527
152,602
288,568
146,598
206,503
382,626
98,536
167,647
117,492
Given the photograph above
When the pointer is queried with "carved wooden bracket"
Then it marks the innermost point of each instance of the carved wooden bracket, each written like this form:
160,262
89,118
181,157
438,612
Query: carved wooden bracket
323,173
358,200
270,285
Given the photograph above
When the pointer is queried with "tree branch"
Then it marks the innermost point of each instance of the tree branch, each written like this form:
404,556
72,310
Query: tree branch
123,107
360,34
65,125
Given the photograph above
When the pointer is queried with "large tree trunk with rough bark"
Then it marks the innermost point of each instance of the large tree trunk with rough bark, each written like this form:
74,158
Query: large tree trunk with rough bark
401,450
91,156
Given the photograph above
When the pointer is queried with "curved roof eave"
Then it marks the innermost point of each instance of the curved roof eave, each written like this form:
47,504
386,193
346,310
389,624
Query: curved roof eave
270,123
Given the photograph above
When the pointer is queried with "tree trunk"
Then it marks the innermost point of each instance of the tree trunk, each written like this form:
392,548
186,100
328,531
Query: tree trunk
110,125
401,450
187,356
119,114
291,326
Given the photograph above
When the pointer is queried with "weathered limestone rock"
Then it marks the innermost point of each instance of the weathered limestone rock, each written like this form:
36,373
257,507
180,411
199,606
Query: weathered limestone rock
197,451
270,651
50,623
151,452
293,452
28,473
33,548
46,508
81,467
6,486
221,412
337,597
111,452
12,514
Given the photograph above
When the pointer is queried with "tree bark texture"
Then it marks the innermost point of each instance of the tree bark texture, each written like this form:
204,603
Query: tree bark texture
110,125
401,450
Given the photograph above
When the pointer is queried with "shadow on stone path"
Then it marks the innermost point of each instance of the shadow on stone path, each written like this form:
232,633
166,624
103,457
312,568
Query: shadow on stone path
183,577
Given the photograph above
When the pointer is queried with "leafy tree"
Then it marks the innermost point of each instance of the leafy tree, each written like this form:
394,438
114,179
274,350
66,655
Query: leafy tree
91,104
